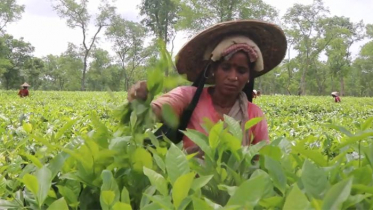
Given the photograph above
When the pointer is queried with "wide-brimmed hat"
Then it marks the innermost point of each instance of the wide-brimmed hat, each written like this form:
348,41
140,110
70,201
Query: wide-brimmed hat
25,85
268,37
334,93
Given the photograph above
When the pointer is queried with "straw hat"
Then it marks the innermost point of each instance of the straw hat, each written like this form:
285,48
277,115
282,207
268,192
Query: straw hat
334,93
25,85
268,37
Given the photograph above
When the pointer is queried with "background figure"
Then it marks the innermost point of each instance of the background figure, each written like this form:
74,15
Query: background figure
255,93
24,92
258,93
336,97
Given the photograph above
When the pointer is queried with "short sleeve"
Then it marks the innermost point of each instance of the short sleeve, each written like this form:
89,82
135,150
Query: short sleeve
260,130
178,98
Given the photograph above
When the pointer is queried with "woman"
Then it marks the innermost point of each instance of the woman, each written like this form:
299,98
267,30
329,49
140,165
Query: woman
336,97
229,55
24,92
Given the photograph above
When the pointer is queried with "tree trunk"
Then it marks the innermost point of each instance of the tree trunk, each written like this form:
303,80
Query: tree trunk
84,72
303,78
303,82
166,40
342,86
126,83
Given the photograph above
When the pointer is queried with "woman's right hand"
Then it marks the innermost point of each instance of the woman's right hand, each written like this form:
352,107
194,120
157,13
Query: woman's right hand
138,91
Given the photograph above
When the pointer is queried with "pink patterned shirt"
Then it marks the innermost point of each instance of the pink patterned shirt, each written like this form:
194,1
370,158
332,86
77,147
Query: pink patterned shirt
180,97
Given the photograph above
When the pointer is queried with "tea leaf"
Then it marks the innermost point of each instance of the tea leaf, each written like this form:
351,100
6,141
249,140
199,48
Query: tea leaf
27,127
110,184
107,196
9,204
367,123
312,155
272,202
31,183
314,180
200,139
249,192
362,175
268,184
157,180
214,136
362,188
169,116
59,204
271,151
145,199
56,164
64,128
176,163
141,158
252,122
163,201
159,162
357,137
201,204
44,177
34,160
125,196
296,200
234,127
230,189
353,200
200,182
70,197
122,206
340,128
277,174
181,188
337,194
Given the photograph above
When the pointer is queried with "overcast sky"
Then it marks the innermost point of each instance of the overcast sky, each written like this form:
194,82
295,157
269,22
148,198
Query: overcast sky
49,34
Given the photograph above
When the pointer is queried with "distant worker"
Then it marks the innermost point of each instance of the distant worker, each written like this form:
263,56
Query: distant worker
24,92
255,93
258,93
336,97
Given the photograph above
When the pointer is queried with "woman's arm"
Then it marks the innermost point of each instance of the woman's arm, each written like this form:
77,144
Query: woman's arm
178,98
260,130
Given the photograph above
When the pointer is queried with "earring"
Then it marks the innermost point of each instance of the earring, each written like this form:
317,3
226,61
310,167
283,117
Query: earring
213,74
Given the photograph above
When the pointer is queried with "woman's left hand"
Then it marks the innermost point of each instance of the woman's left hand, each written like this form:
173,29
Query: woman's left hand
194,149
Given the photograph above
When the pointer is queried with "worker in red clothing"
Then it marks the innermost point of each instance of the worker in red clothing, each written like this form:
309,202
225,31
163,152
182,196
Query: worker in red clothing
24,92
258,93
254,93
336,97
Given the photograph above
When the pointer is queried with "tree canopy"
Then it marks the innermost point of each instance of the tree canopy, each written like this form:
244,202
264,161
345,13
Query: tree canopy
319,58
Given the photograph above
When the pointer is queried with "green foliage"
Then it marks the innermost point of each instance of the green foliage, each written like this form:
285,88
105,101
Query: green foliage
77,150
196,15
10,11
64,156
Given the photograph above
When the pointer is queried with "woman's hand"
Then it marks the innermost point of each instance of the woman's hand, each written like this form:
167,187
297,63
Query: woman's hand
138,91
194,149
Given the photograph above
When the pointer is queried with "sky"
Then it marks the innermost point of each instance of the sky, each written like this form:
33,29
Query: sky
48,33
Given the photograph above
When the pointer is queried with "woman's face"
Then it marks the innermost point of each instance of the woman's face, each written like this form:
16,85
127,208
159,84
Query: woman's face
232,75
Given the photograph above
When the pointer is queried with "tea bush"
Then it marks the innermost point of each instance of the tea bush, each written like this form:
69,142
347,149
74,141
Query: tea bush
70,151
